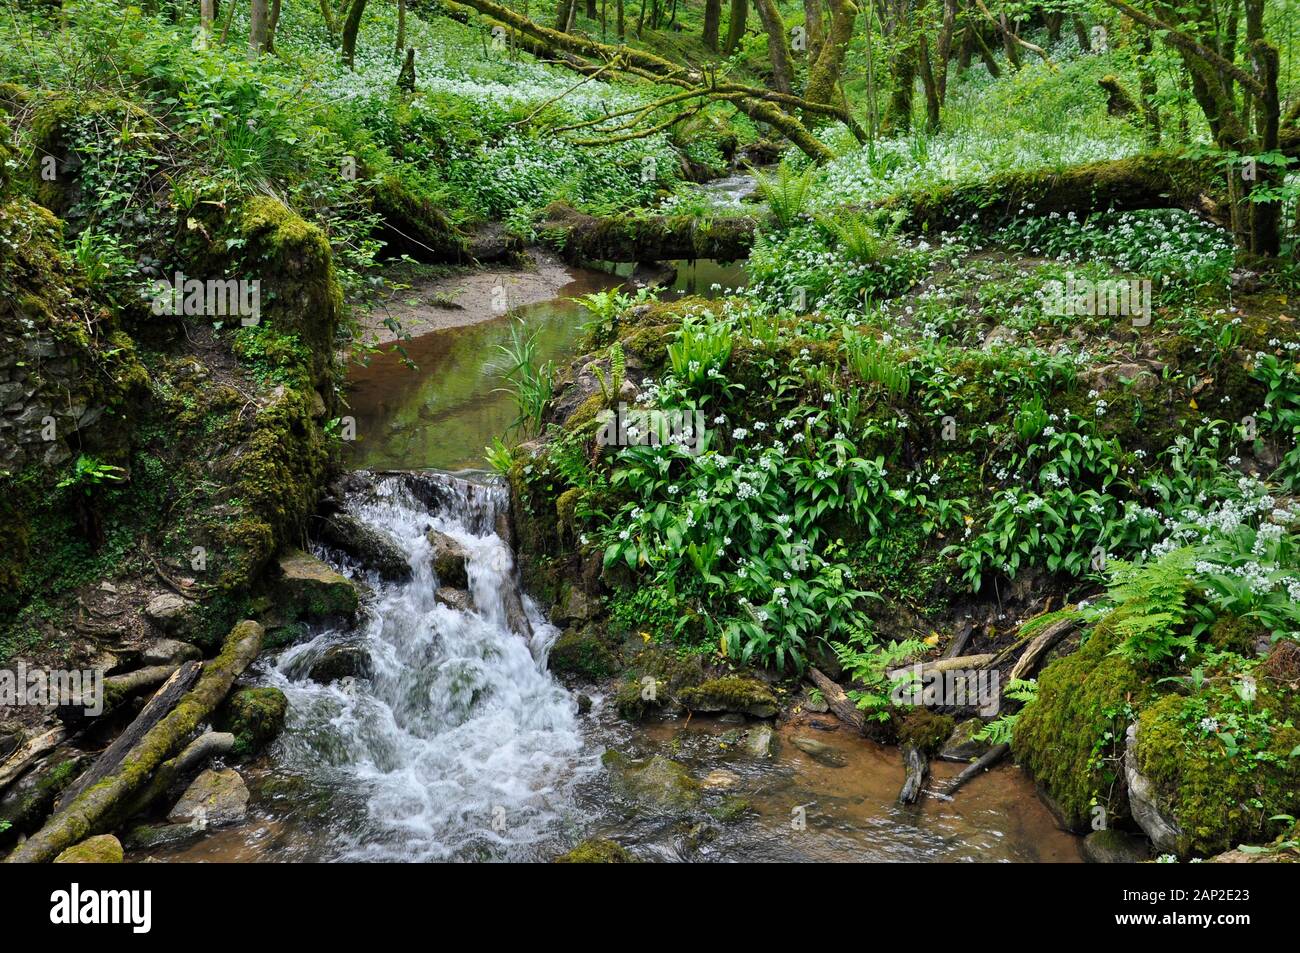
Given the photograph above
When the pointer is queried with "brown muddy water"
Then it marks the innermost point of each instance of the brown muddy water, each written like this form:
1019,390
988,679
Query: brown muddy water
459,745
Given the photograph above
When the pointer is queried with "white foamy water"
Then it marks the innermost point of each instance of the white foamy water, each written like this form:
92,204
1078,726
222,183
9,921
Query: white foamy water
459,744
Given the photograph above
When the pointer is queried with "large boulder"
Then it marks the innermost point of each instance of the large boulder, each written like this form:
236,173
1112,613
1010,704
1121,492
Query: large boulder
339,662
656,784
1115,847
103,849
582,652
311,590
216,798
368,546
169,652
449,560
731,693
255,716
170,612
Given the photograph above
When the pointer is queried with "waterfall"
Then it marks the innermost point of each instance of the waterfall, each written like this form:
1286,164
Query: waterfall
458,744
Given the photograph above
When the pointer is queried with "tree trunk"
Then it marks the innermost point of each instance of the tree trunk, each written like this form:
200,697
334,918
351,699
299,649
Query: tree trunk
259,22
272,25
593,13
824,71
622,29
814,27
327,13
712,16
736,26
351,27
778,45
400,45
207,17
929,85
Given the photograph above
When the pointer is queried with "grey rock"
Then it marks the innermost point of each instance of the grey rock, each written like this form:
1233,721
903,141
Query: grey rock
1115,847
449,560
961,745
169,651
1144,804
168,611
457,599
760,742
216,798
341,661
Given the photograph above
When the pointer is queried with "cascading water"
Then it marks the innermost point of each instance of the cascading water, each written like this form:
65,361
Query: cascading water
458,744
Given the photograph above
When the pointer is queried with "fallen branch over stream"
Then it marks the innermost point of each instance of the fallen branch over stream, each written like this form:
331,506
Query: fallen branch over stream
94,809
840,704
986,761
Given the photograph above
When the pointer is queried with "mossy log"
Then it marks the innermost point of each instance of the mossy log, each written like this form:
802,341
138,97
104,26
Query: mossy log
583,237
95,807
1146,181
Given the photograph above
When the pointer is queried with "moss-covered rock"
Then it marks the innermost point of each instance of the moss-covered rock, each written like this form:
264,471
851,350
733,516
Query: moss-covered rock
925,730
309,589
1221,769
255,716
596,851
102,849
656,784
731,693
582,651
1071,737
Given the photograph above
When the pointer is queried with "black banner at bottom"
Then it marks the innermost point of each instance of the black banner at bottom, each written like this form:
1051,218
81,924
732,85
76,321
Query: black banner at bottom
143,903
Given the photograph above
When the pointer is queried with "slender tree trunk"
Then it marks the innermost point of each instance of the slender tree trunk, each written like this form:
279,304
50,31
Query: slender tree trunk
592,12
400,45
943,48
327,13
563,14
712,17
736,26
259,22
272,26
351,27
778,46
929,85
622,29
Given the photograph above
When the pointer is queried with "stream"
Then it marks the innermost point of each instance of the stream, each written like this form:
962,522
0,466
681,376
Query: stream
459,745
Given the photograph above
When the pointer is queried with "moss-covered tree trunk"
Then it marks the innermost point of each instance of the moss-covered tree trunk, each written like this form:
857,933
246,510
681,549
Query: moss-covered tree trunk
824,70
778,45
712,19
351,27
92,810
736,25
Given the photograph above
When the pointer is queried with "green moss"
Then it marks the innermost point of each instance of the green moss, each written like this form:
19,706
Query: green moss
1222,785
255,716
925,730
582,652
654,679
596,851
1232,634
1071,737
731,693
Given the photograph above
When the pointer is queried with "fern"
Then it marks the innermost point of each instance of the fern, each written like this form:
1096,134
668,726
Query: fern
999,730
1150,602
611,386
787,192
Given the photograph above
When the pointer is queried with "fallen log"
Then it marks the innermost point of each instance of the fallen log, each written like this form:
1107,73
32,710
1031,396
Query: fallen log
840,704
1041,644
209,745
1146,181
580,237
917,766
163,701
33,749
957,662
93,808
986,761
